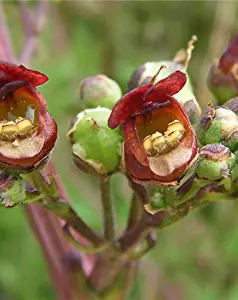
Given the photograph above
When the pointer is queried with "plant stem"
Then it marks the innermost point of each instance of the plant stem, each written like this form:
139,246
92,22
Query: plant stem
47,228
5,43
135,211
53,203
32,25
108,209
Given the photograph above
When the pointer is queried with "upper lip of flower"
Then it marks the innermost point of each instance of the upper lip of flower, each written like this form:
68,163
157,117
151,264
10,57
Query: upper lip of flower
230,56
138,100
27,131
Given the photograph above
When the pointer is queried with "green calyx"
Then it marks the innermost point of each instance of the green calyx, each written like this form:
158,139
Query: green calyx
98,90
218,126
94,143
216,162
12,190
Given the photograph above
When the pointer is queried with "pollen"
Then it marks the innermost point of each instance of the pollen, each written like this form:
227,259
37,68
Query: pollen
160,143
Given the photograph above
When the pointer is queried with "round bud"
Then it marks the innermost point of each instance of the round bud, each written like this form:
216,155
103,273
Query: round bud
98,90
216,162
96,147
217,126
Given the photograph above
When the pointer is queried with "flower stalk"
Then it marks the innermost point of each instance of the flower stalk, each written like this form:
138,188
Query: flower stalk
109,221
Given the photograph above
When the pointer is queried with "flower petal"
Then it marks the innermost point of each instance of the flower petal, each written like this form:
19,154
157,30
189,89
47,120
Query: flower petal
170,85
133,143
139,100
11,72
230,56
127,106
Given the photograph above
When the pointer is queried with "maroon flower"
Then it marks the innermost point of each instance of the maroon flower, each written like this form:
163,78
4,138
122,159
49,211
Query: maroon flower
27,131
223,74
160,144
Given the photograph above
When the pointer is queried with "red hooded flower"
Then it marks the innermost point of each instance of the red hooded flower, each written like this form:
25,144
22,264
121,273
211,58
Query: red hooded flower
160,144
27,131
223,74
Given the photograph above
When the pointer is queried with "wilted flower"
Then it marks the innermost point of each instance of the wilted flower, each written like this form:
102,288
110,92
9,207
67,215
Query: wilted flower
27,131
223,74
160,144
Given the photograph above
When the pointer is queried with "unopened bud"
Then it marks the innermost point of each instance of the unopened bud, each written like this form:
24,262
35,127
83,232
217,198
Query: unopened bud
216,162
217,126
99,90
96,147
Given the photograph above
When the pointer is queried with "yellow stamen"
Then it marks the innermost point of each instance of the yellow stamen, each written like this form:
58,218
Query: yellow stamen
159,143
174,138
19,128
175,125
24,126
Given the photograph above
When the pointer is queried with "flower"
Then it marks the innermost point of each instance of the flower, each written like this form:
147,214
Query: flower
223,74
144,73
160,144
27,131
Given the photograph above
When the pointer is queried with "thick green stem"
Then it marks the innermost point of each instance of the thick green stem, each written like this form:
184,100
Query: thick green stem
108,210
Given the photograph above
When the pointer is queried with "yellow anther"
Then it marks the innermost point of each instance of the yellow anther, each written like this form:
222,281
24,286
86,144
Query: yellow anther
147,143
156,135
160,143
1,123
11,130
24,126
174,137
175,125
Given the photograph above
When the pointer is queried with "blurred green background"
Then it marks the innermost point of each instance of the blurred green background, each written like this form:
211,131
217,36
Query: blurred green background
194,259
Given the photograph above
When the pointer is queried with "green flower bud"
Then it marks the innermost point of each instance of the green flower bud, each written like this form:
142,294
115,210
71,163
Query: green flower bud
12,190
217,126
99,90
216,162
144,73
96,147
